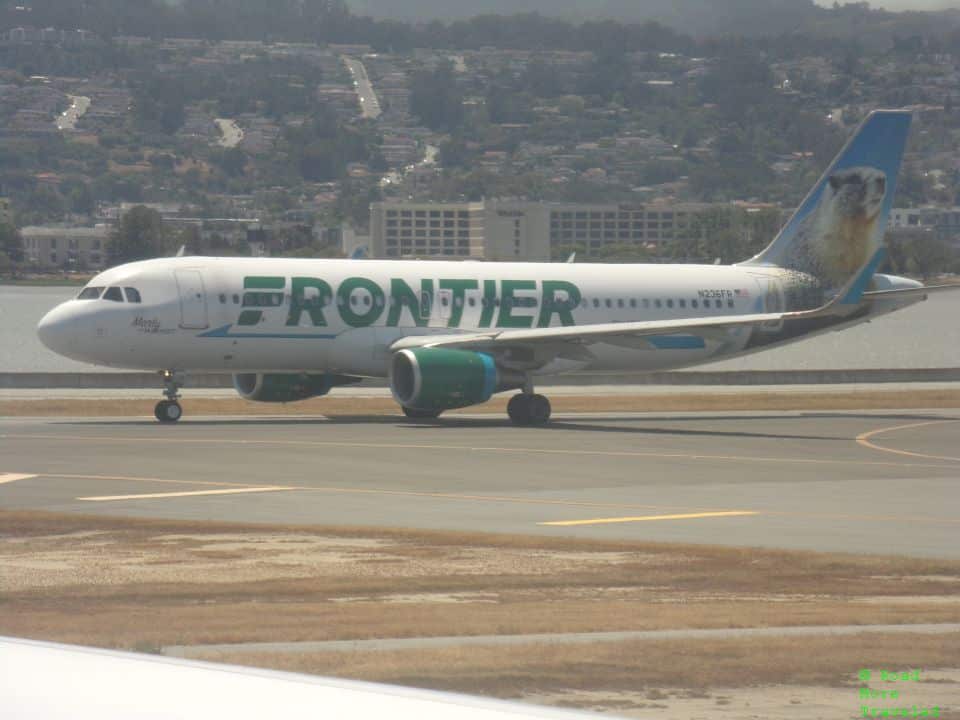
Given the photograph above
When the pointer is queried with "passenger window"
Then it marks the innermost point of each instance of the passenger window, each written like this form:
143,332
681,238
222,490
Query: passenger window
646,302
236,299
472,302
683,303
669,303
729,303
620,303
223,298
596,302
262,299
113,294
657,303
706,303
694,304
90,293
609,302
633,302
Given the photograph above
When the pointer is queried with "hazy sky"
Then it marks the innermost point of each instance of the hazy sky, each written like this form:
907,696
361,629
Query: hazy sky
904,4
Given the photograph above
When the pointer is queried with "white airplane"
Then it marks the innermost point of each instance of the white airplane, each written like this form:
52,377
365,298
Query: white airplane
451,334
51,681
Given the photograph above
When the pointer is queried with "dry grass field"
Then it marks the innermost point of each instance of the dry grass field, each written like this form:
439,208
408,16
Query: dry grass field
865,399
146,584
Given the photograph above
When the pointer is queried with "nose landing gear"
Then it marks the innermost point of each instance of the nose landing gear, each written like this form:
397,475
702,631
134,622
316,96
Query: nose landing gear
169,410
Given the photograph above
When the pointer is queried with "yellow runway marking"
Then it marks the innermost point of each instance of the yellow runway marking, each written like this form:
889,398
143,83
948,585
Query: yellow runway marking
471,448
149,496
864,439
13,477
648,518
484,498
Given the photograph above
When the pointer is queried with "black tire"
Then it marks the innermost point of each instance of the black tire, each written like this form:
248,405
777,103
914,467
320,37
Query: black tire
168,411
539,409
519,409
418,414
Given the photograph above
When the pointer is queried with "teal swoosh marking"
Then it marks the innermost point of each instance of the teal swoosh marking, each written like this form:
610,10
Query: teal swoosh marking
224,332
676,342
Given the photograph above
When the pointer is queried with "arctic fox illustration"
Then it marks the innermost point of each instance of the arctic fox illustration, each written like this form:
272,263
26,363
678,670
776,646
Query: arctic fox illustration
840,235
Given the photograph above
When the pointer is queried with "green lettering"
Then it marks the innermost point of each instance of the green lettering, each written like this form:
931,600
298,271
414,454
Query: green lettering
402,296
508,287
459,288
265,282
489,302
562,307
299,302
373,310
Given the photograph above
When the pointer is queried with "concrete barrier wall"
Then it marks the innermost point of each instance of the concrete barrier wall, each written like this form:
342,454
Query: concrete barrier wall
95,380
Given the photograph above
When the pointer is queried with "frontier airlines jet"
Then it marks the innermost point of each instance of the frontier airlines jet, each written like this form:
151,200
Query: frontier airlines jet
451,334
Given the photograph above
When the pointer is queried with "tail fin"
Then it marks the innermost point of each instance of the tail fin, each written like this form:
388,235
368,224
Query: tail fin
839,227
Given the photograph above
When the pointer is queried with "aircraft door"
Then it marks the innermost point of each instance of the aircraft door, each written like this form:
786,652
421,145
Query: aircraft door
193,300
442,307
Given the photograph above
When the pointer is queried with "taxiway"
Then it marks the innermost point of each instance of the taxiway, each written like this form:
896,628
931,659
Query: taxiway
864,482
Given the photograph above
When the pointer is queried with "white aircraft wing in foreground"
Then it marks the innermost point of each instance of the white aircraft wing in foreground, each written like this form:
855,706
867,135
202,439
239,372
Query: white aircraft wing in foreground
49,681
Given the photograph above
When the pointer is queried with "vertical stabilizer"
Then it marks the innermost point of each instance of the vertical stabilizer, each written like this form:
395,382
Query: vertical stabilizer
839,227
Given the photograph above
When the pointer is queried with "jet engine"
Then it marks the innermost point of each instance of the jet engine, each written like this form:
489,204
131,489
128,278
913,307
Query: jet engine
433,379
287,387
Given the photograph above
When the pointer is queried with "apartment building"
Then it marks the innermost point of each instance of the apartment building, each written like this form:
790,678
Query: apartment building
67,248
519,229
944,223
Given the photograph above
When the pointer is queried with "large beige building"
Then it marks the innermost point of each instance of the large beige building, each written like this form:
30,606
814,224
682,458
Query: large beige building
595,226
488,230
68,248
519,229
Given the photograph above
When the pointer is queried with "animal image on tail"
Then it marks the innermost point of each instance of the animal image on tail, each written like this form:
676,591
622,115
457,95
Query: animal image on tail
839,226
840,235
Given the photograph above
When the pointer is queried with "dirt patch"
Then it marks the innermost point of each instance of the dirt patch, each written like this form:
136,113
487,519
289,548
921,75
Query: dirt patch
648,666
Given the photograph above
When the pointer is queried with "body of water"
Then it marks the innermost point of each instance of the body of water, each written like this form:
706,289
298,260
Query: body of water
926,335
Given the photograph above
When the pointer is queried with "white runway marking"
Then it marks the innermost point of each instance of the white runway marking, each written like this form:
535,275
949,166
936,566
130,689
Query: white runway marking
149,496
13,477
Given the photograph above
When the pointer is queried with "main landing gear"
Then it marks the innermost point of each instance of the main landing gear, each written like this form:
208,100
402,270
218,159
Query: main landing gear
528,408
169,410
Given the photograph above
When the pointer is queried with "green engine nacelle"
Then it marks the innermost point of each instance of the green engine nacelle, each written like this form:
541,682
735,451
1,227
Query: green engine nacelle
287,387
439,379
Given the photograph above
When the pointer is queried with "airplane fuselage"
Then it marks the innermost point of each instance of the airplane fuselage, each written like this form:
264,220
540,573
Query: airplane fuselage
205,314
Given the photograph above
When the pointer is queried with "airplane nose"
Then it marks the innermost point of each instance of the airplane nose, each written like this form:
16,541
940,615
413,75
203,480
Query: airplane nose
58,329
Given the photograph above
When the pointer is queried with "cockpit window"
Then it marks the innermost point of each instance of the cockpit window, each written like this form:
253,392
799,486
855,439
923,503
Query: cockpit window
133,295
113,294
90,293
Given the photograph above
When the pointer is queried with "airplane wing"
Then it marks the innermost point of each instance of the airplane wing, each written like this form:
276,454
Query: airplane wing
65,682
586,334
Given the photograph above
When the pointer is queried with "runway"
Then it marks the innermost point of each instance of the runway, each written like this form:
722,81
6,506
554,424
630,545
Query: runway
864,482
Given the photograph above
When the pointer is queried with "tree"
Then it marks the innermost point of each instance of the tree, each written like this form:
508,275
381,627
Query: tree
435,98
139,235
11,244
